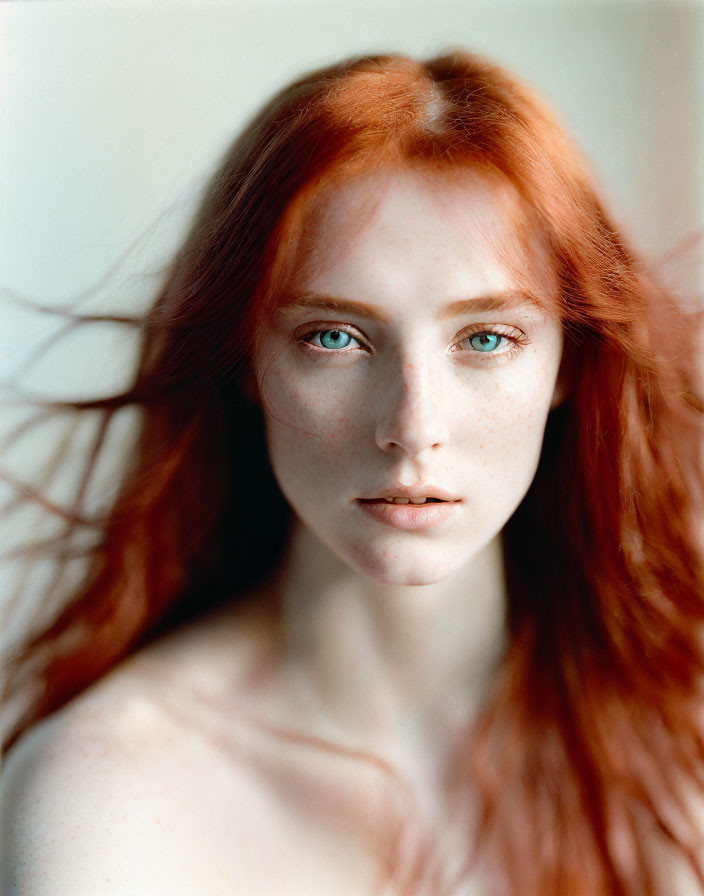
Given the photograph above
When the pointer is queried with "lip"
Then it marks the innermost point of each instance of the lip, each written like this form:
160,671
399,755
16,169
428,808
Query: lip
408,516
396,490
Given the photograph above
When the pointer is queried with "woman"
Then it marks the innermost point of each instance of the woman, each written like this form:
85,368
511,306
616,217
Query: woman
419,477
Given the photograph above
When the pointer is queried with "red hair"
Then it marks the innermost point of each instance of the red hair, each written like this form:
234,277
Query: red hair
589,747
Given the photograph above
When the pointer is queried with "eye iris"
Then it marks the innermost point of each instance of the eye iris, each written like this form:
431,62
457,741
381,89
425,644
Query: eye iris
484,342
334,339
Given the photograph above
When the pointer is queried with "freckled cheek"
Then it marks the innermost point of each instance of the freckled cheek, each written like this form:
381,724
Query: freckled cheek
313,431
502,427
328,411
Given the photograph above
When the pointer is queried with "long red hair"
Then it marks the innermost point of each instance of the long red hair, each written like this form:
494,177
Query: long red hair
589,748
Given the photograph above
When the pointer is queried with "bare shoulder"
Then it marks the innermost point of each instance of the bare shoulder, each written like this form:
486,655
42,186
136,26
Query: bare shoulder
109,794
65,787
156,781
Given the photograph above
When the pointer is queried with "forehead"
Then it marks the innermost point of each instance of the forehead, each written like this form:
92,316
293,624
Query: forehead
400,231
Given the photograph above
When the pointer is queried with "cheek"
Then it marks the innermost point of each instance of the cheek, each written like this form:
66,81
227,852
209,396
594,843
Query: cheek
313,428
508,416
502,427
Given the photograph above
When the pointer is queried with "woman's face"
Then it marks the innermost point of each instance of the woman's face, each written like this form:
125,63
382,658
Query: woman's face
409,354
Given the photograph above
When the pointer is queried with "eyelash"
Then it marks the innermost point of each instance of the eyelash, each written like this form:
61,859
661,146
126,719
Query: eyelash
516,337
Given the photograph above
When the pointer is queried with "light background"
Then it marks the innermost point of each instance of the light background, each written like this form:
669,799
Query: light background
112,115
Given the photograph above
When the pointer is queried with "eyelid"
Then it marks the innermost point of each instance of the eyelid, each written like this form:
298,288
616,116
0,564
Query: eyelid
489,327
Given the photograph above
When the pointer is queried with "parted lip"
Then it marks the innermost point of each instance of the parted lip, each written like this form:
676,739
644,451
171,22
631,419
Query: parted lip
410,491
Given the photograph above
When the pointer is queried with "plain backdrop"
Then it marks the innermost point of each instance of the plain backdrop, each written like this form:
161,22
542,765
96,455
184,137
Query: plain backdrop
113,114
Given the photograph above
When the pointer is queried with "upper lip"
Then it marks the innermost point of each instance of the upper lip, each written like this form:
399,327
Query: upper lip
411,491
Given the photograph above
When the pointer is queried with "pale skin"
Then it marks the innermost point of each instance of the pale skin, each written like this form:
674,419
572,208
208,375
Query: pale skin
153,781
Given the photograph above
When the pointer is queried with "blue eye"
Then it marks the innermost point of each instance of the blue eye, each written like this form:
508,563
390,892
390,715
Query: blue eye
332,341
334,338
485,342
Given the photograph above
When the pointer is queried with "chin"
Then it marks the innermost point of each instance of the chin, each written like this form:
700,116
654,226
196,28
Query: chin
393,568
421,578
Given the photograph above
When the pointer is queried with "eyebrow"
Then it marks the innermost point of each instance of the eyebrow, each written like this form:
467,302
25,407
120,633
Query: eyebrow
502,301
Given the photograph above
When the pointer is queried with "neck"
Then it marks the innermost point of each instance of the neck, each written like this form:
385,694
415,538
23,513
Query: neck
394,670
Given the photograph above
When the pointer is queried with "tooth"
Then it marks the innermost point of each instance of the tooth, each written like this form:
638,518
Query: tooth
401,500
417,500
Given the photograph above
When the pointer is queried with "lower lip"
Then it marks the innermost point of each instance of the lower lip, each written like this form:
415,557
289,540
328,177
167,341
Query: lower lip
409,516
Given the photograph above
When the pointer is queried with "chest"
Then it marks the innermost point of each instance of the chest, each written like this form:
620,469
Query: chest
274,821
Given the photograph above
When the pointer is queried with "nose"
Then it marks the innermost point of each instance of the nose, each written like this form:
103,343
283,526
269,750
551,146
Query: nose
411,417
